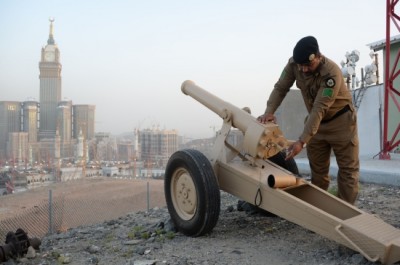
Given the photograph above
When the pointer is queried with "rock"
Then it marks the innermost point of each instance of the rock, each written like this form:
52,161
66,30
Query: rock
31,253
239,237
145,262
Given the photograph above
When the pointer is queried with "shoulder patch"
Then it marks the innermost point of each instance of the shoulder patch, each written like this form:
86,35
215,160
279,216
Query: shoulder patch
330,82
327,92
283,74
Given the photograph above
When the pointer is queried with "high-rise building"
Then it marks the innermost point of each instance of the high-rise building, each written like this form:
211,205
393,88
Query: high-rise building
158,145
10,121
83,117
64,120
18,148
46,131
125,150
169,142
64,128
50,86
106,147
30,119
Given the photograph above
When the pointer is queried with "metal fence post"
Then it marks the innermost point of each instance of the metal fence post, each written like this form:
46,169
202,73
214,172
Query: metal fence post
148,196
50,212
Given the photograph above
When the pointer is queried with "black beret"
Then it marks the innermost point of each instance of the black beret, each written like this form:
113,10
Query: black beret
302,52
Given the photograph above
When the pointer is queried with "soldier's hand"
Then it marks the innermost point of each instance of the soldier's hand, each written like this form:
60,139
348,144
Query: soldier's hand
267,117
294,149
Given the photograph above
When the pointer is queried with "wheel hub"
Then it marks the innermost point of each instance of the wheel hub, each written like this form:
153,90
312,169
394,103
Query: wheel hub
184,194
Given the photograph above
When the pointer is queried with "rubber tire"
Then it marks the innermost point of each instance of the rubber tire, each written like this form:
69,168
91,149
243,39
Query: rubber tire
193,166
289,164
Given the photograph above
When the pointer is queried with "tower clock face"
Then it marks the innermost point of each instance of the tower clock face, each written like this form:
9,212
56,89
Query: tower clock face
49,56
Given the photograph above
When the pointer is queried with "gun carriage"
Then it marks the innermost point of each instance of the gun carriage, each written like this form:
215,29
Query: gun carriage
255,170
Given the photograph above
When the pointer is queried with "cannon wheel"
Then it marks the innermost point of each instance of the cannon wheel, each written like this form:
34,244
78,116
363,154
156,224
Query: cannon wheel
289,164
192,192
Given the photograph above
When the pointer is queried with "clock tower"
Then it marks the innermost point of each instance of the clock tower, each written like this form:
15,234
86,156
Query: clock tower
50,86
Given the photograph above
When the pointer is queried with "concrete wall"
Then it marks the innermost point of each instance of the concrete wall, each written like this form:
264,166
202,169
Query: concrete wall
370,118
290,116
292,112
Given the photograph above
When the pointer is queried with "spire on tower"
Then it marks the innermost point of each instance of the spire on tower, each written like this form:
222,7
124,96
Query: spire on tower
51,41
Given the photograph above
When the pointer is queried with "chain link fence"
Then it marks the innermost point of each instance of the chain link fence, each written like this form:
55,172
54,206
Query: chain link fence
35,221
63,211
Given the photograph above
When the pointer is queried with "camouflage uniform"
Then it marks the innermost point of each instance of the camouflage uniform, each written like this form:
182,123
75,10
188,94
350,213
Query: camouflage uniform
330,125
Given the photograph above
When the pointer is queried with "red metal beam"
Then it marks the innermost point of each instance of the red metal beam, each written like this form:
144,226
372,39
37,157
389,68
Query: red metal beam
390,76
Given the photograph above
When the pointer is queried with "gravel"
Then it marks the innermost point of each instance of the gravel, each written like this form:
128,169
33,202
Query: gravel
240,237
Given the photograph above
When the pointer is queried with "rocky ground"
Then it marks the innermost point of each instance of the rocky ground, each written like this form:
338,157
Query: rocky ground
239,237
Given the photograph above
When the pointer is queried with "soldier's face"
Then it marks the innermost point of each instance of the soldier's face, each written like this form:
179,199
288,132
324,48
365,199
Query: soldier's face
310,67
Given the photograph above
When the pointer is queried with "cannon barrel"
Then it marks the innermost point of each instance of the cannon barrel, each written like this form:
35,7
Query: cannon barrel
260,140
241,119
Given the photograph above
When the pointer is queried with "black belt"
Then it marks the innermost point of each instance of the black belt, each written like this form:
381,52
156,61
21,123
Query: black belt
337,114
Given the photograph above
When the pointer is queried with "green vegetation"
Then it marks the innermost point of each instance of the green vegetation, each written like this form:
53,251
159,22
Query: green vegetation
145,235
160,235
131,234
333,191
109,237
128,253
170,235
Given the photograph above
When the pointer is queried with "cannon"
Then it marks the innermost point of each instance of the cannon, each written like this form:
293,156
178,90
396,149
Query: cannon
255,170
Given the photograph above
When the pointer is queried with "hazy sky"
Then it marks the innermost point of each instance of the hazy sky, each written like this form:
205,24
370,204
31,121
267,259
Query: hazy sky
129,58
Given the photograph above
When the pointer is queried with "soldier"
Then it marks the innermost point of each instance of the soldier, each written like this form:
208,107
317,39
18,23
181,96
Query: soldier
331,123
